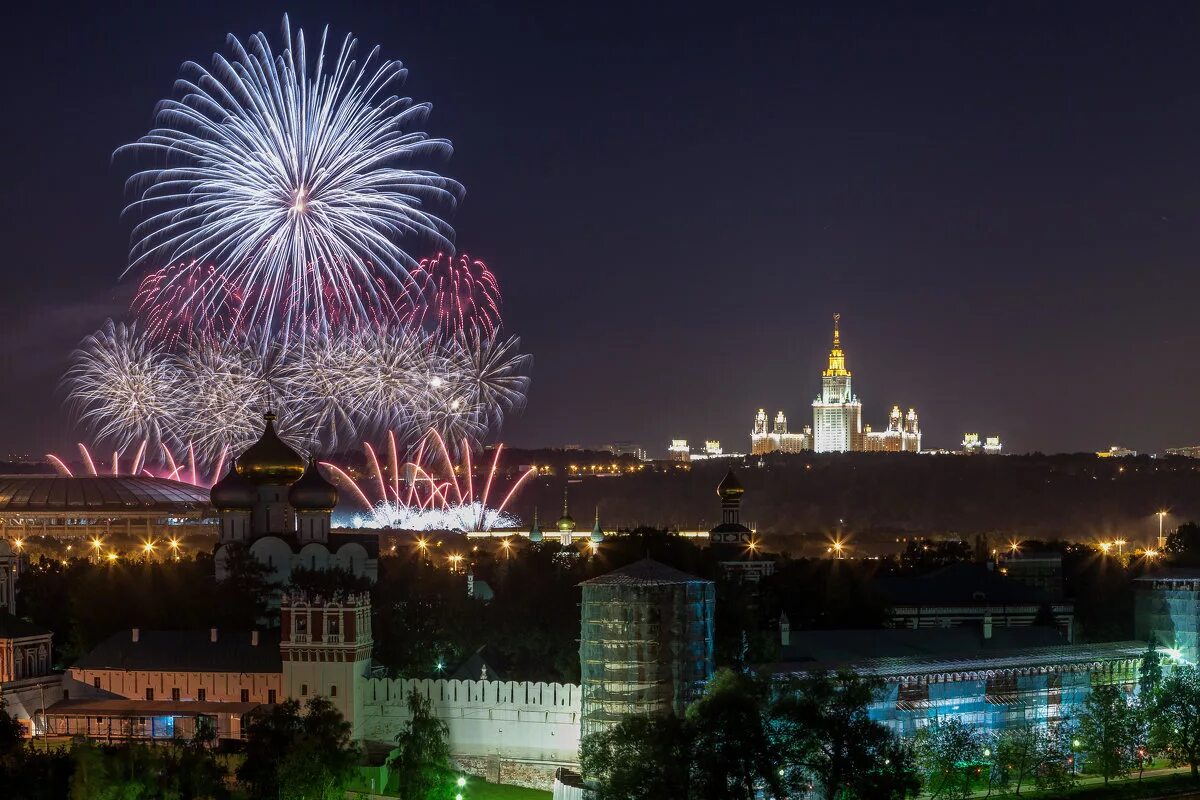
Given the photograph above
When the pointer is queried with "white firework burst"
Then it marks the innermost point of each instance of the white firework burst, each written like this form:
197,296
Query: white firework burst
125,387
225,386
291,174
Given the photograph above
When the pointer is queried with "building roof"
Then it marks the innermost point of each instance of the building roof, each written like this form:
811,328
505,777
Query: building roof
955,660
185,651
845,646
103,494
646,572
473,667
1171,574
961,583
16,628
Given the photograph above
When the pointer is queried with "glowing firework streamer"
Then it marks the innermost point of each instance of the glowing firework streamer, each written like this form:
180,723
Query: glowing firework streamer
291,176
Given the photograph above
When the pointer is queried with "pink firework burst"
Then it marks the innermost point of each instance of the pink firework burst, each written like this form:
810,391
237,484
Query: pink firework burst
450,294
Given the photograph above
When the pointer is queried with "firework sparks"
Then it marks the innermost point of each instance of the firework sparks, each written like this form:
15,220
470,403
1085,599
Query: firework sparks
291,176
423,501
125,387
452,294
207,396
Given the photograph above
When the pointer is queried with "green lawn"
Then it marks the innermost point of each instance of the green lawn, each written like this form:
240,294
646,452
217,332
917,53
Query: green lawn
476,788
1130,788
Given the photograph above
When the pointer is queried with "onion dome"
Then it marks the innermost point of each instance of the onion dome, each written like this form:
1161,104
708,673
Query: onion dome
312,492
269,461
730,487
233,492
566,523
597,534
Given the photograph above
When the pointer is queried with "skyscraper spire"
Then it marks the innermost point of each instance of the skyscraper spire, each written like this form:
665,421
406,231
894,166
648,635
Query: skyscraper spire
837,359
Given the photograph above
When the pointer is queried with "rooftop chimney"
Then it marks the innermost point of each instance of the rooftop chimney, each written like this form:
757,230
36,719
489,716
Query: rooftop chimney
135,632
212,634
254,638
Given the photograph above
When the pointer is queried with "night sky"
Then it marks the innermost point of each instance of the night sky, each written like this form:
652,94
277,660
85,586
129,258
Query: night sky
1000,199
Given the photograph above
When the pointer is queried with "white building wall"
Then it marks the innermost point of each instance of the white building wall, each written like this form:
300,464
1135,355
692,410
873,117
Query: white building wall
520,720
220,687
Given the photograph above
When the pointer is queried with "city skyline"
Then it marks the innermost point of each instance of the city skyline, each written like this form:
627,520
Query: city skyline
945,201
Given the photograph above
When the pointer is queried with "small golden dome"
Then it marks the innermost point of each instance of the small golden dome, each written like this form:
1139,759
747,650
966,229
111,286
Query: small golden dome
269,460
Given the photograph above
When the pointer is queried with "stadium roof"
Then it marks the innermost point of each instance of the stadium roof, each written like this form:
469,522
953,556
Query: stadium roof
185,651
62,495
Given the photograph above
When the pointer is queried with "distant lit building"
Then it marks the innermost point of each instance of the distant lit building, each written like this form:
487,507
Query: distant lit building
1116,451
627,449
837,419
1187,452
972,444
837,413
903,434
778,439
679,450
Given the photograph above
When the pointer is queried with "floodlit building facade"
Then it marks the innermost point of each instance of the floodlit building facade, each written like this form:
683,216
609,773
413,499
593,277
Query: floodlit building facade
1167,609
903,434
778,439
646,642
837,425
972,445
837,413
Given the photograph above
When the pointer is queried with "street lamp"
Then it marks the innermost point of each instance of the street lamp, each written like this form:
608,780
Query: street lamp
1075,756
1162,542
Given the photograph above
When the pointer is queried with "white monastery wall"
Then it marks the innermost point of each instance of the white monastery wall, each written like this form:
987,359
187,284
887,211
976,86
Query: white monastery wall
510,719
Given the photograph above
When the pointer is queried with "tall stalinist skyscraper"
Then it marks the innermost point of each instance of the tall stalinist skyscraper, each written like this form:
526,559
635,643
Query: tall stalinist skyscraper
837,414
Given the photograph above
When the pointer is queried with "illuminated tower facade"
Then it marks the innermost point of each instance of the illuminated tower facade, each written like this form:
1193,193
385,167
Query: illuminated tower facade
837,414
